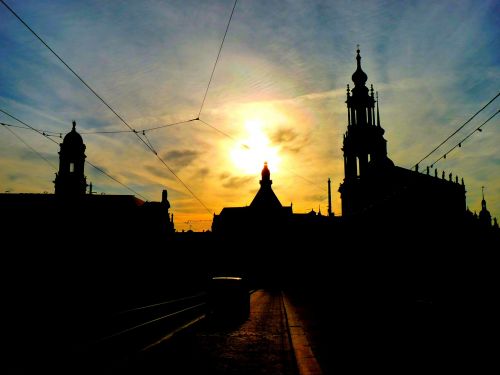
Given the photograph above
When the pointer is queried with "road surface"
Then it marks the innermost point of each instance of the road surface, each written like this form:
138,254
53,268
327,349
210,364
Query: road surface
260,345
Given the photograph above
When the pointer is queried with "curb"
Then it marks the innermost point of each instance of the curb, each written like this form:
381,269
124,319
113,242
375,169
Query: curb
306,361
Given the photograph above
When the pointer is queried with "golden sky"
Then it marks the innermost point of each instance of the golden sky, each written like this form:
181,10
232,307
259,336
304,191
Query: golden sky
277,94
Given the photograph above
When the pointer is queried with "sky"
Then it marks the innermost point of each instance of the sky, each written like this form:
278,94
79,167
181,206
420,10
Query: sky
277,94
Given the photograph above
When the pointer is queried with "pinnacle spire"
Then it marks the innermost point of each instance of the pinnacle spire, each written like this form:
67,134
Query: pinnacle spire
378,114
359,77
266,174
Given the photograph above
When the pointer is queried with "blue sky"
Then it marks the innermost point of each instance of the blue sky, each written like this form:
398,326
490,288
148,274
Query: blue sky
279,87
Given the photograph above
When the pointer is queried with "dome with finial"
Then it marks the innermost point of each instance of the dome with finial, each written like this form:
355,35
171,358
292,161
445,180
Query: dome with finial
359,77
73,138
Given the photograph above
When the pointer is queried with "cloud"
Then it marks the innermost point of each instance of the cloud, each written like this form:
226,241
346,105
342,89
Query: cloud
181,158
201,173
289,140
433,63
283,135
236,182
157,171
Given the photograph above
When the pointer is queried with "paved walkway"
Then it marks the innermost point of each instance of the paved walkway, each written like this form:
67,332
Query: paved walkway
260,345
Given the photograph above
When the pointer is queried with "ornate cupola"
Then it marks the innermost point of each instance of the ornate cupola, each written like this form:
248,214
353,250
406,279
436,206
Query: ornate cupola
364,142
484,214
70,180
364,146
359,77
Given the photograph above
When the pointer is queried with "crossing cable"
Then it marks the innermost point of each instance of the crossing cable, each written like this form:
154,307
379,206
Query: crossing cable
247,147
30,147
87,161
217,59
139,130
459,144
108,106
54,133
456,131
149,141
43,132
223,133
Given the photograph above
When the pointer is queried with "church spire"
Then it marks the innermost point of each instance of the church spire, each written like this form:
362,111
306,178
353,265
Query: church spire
364,146
266,175
378,114
484,215
265,197
359,77
483,202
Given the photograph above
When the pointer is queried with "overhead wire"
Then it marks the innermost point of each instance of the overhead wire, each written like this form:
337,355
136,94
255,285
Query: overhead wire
221,132
106,131
44,132
108,106
217,59
147,142
456,131
459,144
30,147
87,161
138,130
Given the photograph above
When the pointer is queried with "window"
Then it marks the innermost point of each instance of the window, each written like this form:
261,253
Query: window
71,167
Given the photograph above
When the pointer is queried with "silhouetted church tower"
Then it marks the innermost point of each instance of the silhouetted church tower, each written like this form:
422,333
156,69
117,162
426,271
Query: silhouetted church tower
484,215
70,180
265,197
364,144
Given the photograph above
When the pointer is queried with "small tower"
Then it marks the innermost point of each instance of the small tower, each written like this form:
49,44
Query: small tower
166,206
484,215
265,197
70,180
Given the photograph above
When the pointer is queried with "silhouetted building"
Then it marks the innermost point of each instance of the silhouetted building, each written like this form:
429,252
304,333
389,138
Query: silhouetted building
373,186
378,198
70,180
265,199
265,217
265,214
98,218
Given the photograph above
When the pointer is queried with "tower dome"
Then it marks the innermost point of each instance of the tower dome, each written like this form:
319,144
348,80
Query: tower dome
70,179
73,138
359,77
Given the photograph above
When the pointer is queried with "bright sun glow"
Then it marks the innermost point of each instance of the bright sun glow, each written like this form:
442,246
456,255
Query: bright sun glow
250,155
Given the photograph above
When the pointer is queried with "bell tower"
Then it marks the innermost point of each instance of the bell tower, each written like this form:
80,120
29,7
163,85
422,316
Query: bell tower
70,180
364,146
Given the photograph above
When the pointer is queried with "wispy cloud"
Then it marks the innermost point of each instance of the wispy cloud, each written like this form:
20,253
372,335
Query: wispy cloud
181,158
433,63
236,182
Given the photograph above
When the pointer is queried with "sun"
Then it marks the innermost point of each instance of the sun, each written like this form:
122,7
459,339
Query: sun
249,156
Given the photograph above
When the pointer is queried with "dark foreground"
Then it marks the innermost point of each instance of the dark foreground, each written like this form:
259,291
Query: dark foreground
361,309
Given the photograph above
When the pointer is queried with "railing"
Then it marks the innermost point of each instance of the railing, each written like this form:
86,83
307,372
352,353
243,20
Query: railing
124,334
